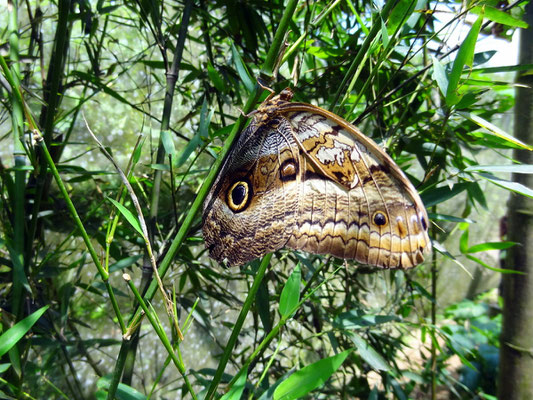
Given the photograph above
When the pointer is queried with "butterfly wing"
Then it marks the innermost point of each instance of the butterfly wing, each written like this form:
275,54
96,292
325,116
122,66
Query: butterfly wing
251,209
355,203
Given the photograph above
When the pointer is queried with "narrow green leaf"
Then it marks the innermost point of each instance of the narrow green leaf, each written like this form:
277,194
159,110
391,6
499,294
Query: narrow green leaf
168,143
205,120
442,193
463,242
128,215
450,218
439,75
242,70
11,337
4,367
516,168
494,130
263,306
124,263
501,270
368,353
310,377
509,185
465,56
355,319
384,34
215,77
490,246
290,296
237,389
499,16
124,392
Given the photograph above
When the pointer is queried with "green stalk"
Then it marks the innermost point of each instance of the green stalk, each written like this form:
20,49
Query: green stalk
72,209
17,202
19,156
52,97
180,237
204,189
161,334
376,28
171,78
433,316
237,328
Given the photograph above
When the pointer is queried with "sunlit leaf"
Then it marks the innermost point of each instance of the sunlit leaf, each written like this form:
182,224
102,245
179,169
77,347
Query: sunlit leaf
290,296
127,214
310,377
493,129
465,56
237,389
489,246
499,16
368,353
11,337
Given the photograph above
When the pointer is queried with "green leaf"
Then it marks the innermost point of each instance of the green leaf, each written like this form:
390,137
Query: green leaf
490,246
215,77
494,130
124,392
310,377
168,143
439,75
384,34
443,193
4,367
263,306
290,296
450,218
487,266
509,185
237,389
355,319
242,70
463,242
128,215
368,353
465,56
499,16
514,168
11,337
124,263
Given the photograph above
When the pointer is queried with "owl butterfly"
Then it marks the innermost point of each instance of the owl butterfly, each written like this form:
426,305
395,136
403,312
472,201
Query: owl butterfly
304,178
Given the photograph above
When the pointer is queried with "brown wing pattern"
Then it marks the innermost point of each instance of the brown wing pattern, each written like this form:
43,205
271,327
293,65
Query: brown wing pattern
302,177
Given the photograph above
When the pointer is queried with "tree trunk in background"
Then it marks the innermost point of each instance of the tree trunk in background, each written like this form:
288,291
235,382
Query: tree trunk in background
516,342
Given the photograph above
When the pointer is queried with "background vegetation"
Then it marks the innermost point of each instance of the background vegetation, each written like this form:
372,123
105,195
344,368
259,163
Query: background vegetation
164,86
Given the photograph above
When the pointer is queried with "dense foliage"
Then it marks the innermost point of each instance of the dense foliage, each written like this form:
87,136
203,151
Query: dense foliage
113,117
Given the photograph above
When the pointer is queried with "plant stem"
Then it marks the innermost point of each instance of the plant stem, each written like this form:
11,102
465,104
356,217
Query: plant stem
237,327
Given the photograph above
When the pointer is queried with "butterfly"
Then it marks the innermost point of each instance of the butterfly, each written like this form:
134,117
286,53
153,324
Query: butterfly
304,178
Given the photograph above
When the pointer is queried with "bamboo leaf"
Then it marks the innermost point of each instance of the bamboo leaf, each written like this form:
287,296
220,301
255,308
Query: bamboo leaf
237,389
290,296
368,353
499,16
168,143
514,168
128,215
11,337
465,56
310,377
490,246
242,70
494,130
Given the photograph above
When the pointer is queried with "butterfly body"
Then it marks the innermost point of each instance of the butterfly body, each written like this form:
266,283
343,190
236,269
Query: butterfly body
302,177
